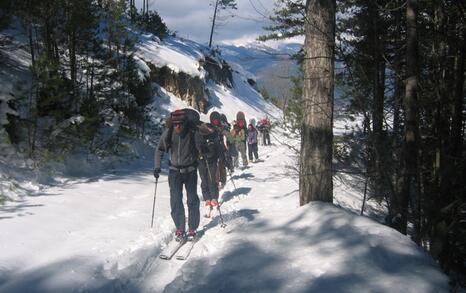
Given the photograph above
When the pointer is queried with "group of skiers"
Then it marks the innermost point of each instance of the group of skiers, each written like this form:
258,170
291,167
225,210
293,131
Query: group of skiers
211,148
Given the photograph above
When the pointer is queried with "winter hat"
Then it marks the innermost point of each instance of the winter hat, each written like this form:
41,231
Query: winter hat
215,118
178,117
240,116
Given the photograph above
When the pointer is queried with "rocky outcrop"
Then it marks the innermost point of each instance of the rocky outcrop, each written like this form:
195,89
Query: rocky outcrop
189,88
192,89
218,71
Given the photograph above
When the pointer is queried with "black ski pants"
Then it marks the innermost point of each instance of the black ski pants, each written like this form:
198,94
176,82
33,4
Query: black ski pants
176,180
209,185
252,149
266,137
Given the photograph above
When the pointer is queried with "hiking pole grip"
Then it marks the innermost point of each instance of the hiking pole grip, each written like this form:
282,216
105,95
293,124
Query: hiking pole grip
153,204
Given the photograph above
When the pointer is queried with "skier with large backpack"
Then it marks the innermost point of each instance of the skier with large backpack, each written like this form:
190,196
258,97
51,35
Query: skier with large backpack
240,133
211,153
252,143
223,162
264,127
226,132
182,140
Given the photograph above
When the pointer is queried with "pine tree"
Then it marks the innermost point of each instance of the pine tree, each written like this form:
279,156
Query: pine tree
316,173
220,5
288,20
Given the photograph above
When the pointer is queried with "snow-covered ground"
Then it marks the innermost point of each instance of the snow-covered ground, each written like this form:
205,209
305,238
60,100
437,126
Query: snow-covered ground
93,234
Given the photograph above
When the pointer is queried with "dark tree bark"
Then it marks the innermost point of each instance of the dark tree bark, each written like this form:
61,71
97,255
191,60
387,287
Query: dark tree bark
213,23
378,88
410,104
457,121
317,136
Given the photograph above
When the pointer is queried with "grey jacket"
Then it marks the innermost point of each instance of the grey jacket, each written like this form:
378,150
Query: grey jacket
184,149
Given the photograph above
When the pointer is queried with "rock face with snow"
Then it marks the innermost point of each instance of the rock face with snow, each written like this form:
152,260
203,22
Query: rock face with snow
189,88
218,71
184,68
192,89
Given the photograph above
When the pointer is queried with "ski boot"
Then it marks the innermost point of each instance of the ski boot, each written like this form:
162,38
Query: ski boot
180,235
191,235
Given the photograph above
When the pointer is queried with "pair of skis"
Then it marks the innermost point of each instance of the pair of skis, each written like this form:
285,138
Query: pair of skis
182,247
179,249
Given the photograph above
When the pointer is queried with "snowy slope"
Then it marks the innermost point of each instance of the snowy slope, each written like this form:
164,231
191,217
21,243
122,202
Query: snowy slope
177,54
184,55
94,235
272,64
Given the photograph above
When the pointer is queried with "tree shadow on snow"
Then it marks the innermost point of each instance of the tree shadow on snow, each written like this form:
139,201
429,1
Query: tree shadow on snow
340,255
72,275
286,194
243,176
232,218
17,210
246,268
228,195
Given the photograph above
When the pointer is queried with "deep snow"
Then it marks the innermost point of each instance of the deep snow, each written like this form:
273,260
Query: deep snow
93,234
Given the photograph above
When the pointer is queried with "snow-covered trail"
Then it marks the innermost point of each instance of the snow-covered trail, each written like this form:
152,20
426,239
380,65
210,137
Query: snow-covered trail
95,236
239,210
71,236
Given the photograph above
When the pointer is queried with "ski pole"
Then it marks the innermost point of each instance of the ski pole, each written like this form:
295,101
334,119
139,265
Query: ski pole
153,205
223,225
218,207
232,181
208,170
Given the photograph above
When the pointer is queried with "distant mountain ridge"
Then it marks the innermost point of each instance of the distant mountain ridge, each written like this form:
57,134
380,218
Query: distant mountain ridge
272,65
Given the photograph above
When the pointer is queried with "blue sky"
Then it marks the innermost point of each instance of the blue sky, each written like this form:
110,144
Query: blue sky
192,19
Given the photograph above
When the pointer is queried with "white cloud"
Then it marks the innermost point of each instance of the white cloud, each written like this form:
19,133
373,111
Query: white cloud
192,18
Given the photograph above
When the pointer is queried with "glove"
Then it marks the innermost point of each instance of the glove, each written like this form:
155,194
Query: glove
156,173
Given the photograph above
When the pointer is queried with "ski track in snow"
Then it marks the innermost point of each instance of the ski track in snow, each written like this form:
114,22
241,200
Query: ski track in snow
97,238
94,235
135,262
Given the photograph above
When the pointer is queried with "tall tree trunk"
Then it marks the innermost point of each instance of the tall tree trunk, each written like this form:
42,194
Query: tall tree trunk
378,87
458,103
31,45
73,67
317,134
410,104
398,73
213,23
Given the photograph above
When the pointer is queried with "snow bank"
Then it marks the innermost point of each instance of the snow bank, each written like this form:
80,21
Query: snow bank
177,54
